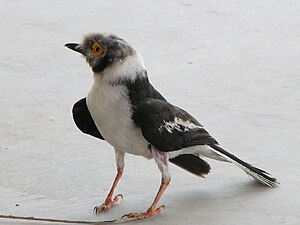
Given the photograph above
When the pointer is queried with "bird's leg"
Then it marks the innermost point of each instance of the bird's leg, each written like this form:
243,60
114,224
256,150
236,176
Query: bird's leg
110,201
161,158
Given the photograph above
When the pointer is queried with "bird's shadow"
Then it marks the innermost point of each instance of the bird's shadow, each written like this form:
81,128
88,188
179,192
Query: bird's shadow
206,196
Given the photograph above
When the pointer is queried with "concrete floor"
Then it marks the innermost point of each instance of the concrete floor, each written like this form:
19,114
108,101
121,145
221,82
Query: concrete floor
233,65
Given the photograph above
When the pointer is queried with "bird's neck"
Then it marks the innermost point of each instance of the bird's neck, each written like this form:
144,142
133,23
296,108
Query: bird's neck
123,71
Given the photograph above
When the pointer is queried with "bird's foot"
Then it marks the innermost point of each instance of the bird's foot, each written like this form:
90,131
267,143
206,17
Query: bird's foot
109,202
138,216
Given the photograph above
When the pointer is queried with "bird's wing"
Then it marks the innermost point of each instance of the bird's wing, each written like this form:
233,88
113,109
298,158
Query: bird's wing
84,120
169,128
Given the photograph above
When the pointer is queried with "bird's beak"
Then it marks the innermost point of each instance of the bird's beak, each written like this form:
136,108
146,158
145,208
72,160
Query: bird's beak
75,47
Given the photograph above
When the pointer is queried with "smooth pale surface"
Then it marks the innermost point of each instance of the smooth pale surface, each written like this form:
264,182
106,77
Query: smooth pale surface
233,64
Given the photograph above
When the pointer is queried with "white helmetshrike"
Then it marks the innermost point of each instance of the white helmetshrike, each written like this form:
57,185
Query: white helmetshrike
124,109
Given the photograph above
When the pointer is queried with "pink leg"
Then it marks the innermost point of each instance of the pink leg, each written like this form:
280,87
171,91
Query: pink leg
110,201
161,159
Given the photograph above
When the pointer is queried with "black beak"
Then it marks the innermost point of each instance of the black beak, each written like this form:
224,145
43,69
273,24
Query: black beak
75,47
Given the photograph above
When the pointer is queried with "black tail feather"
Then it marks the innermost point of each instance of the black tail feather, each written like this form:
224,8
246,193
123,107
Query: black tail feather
255,172
191,163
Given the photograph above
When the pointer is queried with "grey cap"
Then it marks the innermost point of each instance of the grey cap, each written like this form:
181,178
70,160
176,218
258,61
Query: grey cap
101,50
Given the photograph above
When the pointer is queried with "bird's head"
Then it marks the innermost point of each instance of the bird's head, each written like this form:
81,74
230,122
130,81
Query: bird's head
102,50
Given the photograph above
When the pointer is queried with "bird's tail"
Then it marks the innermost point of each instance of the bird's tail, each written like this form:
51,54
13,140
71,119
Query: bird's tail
261,175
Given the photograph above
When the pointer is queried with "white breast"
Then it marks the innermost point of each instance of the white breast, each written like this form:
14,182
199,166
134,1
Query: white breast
110,108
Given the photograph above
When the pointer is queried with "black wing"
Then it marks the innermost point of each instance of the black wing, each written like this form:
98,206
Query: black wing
84,120
169,128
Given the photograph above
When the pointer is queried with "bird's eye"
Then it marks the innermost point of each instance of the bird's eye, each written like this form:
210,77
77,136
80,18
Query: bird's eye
97,49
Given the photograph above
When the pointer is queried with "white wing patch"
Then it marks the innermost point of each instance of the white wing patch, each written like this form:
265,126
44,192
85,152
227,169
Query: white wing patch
179,125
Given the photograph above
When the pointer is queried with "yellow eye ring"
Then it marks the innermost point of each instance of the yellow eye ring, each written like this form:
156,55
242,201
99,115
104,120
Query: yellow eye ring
97,49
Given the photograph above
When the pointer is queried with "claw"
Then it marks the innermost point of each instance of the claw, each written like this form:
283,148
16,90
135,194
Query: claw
139,216
108,203
118,197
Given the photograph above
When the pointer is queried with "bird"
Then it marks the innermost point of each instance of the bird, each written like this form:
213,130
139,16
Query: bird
124,109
